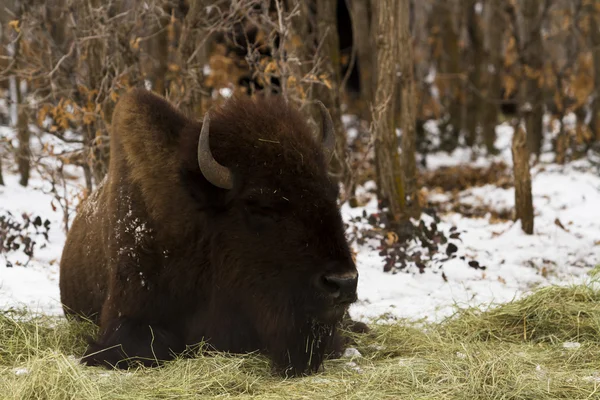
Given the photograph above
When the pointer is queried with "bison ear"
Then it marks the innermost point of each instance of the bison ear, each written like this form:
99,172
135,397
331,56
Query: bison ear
328,133
152,117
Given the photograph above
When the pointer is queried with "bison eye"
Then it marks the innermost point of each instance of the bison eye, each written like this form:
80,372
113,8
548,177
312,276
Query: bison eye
259,216
263,211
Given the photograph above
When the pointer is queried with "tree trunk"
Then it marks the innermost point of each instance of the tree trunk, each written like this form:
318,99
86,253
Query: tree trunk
327,23
495,25
390,176
595,40
475,83
19,121
23,136
362,39
523,197
56,23
531,101
449,68
407,109
1,177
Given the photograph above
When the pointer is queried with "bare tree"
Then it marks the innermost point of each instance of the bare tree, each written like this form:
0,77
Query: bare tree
23,154
3,64
1,155
527,24
23,135
387,158
407,108
523,196
445,26
360,11
495,25
563,60
474,83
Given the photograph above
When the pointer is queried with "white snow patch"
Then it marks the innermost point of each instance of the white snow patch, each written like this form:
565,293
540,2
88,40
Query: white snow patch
351,352
20,371
593,378
225,92
571,345
354,366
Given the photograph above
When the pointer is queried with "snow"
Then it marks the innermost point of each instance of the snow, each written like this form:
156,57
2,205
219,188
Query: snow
20,371
225,92
351,352
515,262
36,285
567,196
571,345
462,156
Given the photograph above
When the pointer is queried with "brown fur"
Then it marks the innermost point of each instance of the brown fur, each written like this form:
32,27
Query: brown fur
162,259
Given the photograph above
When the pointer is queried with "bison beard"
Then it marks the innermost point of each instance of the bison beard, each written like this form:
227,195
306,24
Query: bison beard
225,231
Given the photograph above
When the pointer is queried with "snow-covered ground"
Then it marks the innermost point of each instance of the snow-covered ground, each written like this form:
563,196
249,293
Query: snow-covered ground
515,262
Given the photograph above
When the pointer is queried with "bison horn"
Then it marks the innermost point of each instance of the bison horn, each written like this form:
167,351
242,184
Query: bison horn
214,172
328,138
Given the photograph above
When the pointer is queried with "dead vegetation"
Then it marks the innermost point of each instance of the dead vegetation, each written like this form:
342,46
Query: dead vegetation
545,345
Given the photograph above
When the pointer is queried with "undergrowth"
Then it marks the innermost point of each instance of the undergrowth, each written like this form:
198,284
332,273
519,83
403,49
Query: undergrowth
544,346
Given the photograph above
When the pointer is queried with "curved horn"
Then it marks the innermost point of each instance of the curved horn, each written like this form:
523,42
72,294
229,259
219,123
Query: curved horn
214,172
328,138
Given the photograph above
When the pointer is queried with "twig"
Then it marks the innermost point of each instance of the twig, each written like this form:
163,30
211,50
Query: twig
63,58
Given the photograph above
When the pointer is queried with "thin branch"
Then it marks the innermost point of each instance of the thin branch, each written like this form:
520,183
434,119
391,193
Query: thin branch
62,59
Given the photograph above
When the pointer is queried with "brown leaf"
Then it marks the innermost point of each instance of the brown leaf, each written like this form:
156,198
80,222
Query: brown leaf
271,67
560,225
391,238
15,25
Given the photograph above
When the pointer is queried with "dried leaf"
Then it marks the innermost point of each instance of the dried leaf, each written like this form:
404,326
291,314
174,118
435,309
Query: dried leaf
15,25
391,238
560,225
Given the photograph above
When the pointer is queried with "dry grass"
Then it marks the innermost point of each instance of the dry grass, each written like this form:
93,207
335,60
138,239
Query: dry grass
514,351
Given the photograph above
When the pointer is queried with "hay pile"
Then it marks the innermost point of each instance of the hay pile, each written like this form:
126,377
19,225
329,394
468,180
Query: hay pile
545,346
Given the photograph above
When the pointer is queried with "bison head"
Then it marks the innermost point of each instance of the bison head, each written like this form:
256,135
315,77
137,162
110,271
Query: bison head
278,250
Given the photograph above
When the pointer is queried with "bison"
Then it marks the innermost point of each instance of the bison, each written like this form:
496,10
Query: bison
225,231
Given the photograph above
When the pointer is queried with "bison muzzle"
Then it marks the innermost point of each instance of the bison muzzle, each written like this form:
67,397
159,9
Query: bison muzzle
225,231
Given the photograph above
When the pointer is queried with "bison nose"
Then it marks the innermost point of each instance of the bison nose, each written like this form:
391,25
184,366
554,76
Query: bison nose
341,287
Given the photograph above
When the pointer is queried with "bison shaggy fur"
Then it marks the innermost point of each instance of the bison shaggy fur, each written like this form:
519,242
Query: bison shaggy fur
162,258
